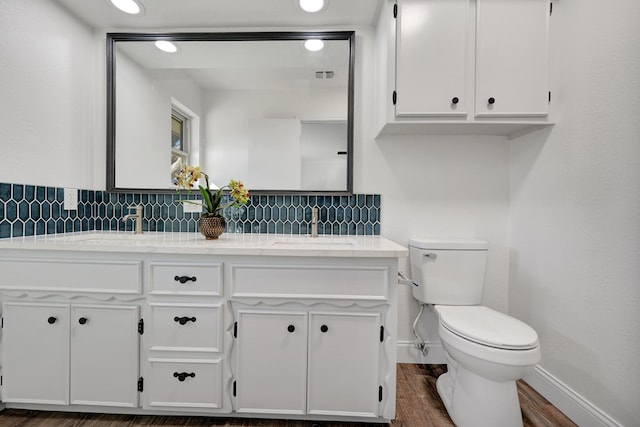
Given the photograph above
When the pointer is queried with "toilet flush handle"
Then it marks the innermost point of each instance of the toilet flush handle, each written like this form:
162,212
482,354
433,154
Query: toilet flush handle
431,255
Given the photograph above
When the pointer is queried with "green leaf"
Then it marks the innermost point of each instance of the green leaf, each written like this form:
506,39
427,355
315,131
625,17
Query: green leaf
206,197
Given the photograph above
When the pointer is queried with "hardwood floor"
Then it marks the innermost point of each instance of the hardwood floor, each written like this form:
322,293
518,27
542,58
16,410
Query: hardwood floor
417,405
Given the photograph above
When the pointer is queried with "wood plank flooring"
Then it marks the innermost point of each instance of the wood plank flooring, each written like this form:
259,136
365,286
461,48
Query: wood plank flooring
417,405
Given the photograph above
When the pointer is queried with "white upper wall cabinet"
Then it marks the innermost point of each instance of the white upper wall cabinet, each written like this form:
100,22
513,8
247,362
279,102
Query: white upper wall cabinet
512,43
462,67
431,47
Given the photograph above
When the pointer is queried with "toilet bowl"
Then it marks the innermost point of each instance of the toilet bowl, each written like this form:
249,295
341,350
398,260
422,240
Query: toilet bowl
487,351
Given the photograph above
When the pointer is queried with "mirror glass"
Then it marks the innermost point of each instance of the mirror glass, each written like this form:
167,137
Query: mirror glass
256,107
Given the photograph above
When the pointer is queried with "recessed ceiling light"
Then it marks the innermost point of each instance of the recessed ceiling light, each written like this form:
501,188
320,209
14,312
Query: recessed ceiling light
314,45
131,7
311,5
166,46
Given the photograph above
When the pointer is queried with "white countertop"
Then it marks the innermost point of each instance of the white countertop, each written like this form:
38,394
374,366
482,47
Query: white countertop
226,244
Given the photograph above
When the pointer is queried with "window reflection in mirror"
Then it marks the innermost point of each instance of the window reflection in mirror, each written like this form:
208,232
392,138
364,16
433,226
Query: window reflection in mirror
267,112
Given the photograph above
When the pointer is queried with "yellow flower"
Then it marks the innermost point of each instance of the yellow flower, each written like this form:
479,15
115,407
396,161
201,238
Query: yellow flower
211,199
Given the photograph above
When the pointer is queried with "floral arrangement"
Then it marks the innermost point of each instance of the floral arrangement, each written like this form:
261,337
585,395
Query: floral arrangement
211,199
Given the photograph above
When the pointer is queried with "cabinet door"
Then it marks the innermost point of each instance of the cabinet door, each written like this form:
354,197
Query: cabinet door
104,355
35,353
431,53
343,373
512,58
272,362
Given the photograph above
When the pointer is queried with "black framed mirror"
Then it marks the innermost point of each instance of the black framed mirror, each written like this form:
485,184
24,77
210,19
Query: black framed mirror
253,106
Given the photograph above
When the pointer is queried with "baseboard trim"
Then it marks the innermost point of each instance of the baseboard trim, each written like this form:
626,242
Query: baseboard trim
563,397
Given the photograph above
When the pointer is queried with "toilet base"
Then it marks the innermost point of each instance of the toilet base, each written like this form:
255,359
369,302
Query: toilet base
474,401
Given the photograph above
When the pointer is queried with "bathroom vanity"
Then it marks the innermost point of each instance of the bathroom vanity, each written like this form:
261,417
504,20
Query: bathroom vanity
250,325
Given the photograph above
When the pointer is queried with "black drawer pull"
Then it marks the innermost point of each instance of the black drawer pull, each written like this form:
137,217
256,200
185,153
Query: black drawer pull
455,100
184,279
51,320
291,328
181,376
324,328
183,320
82,320
491,100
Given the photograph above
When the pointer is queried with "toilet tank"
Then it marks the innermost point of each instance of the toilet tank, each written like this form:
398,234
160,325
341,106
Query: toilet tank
448,272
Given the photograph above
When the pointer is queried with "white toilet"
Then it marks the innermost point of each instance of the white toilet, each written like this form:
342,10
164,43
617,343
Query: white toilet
487,351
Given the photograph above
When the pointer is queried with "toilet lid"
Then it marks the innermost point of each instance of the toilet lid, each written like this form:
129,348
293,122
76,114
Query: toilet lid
487,327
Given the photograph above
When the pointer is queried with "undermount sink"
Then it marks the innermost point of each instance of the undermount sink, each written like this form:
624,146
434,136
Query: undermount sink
329,242
109,238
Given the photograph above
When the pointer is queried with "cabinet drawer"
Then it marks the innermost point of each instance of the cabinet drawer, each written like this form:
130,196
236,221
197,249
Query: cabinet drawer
325,282
49,274
186,327
185,278
201,385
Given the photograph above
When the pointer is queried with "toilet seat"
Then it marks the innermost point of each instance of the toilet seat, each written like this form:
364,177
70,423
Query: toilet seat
487,327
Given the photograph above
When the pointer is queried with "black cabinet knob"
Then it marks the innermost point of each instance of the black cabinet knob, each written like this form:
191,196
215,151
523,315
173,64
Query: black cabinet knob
82,320
491,100
184,279
324,328
181,376
455,100
183,320
291,328
51,320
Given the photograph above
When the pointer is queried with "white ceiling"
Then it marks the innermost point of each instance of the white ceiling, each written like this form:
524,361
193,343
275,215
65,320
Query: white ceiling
203,14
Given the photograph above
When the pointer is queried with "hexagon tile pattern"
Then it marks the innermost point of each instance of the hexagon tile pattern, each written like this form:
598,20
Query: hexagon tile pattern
27,210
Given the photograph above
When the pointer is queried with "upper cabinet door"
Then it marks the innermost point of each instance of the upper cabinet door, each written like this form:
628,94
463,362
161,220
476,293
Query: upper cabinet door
512,58
431,52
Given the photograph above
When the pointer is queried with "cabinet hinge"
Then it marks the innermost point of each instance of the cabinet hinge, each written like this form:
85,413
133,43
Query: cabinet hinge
235,329
1,322
0,379
394,97
395,10
140,384
549,96
379,393
234,389
141,326
381,333
550,8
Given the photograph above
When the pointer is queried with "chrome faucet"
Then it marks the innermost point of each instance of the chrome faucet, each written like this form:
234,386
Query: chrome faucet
137,216
314,222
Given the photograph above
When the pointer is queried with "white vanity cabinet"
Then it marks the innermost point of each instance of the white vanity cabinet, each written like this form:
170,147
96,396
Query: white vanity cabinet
184,340
310,337
298,362
271,361
344,363
462,66
70,354
174,324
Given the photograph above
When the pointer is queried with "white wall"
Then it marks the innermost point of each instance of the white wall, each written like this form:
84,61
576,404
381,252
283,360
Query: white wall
575,210
432,186
228,117
144,99
47,96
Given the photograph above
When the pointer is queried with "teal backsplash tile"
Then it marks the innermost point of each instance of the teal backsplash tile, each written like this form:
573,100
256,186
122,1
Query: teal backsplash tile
27,210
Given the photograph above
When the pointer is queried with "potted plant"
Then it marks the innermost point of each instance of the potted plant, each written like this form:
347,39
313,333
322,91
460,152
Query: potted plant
212,223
